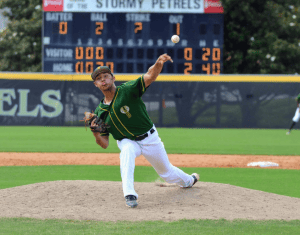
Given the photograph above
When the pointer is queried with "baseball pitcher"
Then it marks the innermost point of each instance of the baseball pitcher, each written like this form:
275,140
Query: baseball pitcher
122,113
296,116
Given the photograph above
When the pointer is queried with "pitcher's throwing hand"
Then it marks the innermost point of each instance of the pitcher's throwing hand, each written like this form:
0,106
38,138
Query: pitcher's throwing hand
164,58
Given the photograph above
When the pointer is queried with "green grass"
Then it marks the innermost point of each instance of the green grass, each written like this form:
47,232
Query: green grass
176,140
267,180
74,227
179,140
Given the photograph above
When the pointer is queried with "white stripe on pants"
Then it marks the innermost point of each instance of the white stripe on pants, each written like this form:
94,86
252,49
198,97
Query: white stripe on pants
154,151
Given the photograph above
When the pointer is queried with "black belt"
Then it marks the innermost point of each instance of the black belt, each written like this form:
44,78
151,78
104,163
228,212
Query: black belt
141,137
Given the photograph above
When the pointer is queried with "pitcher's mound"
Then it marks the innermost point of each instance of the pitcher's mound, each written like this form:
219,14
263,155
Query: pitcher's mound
104,201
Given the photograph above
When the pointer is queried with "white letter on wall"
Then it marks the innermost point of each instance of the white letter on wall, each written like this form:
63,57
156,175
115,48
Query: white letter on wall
23,112
5,96
56,104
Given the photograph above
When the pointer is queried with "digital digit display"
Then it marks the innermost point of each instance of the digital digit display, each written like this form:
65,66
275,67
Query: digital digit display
130,42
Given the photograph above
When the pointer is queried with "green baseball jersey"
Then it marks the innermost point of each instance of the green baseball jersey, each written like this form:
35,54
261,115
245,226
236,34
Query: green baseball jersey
126,114
298,99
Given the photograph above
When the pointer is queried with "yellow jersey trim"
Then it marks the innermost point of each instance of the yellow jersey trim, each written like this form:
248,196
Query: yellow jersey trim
115,124
160,78
117,116
112,120
103,108
143,83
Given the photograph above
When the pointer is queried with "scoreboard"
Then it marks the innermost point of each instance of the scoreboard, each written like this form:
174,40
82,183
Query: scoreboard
130,41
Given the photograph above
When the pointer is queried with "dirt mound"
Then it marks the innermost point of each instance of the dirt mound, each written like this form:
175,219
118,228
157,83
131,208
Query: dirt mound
104,201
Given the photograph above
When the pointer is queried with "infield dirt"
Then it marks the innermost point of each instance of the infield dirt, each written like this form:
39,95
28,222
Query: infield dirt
179,160
104,201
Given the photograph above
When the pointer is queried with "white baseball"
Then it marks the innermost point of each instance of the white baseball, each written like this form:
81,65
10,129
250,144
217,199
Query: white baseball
175,38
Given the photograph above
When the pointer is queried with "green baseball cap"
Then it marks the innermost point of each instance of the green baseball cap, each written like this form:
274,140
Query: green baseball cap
100,69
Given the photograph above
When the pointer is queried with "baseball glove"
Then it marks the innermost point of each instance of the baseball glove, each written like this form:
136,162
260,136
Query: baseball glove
88,118
100,127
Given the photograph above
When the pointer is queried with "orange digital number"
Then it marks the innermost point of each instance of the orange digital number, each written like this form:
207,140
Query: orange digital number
216,55
89,68
99,63
79,67
216,68
188,53
206,54
99,28
79,53
89,53
63,27
189,68
138,26
99,53
178,29
111,66
206,68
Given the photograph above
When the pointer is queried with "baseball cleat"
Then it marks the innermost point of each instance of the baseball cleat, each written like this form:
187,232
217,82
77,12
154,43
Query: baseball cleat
196,177
288,133
131,201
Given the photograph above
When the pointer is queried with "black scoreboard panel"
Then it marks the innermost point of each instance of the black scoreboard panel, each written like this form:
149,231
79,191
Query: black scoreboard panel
131,42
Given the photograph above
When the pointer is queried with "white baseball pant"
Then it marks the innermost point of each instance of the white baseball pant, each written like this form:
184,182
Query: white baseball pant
297,116
152,148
